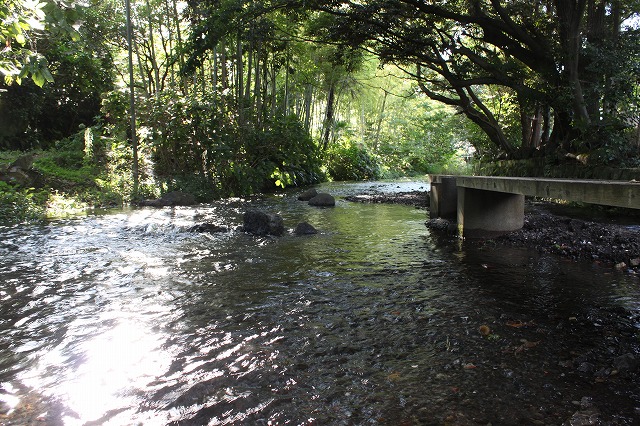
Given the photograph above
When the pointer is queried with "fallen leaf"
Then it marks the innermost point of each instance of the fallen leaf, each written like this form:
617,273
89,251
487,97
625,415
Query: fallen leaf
525,345
484,330
518,323
528,344
395,376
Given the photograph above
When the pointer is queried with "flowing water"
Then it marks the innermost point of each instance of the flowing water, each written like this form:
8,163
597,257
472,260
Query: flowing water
127,318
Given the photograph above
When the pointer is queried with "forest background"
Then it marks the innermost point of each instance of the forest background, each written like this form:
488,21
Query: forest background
234,97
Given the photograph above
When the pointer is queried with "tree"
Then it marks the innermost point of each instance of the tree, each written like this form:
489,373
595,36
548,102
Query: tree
22,24
539,52
80,67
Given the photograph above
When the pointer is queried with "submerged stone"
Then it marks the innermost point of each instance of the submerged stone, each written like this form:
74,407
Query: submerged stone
322,199
210,228
260,223
305,228
173,198
308,194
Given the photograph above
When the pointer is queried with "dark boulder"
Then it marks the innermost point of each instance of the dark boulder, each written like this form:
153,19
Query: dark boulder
626,363
261,223
173,198
21,172
304,228
24,162
308,194
210,228
322,199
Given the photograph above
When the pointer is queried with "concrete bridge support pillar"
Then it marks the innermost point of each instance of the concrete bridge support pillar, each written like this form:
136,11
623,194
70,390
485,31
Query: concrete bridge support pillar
485,214
444,197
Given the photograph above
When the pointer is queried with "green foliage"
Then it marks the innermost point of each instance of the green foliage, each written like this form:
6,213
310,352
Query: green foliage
33,115
421,141
22,22
19,205
288,154
17,19
195,137
351,161
510,67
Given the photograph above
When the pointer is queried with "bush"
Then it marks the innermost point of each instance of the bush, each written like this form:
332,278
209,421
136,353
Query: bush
198,136
349,161
20,205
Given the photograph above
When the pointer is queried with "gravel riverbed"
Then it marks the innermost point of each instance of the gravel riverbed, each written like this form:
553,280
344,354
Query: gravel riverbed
610,237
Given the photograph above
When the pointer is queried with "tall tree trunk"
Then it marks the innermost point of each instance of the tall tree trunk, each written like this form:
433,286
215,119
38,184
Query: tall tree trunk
152,48
286,84
214,72
328,117
176,21
570,14
546,126
247,87
224,71
257,86
274,95
265,88
170,33
239,79
376,140
308,100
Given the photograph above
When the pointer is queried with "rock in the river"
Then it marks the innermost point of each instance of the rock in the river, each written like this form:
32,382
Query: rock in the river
322,199
21,172
442,225
210,228
261,223
308,194
305,228
626,363
173,198
584,418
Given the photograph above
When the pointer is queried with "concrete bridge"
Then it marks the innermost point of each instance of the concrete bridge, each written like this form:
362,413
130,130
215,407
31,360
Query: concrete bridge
486,206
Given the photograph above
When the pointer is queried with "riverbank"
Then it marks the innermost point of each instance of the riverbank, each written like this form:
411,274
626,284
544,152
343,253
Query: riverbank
614,245
578,233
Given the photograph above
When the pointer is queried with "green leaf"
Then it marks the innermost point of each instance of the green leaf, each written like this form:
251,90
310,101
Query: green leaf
38,78
20,39
47,75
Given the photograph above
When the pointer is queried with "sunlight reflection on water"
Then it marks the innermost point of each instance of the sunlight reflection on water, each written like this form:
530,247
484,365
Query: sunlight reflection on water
130,319
114,364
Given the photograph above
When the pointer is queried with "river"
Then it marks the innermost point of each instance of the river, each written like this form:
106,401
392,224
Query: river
126,318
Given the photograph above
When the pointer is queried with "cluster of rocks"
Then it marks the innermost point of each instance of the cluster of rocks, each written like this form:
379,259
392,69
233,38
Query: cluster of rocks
419,199
255,222
260,223
173,198
612,245
318,199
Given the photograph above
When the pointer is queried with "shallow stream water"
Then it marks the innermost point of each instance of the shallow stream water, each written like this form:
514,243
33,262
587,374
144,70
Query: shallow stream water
127,318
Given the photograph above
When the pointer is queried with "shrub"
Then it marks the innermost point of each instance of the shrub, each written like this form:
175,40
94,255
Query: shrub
349,161
19,205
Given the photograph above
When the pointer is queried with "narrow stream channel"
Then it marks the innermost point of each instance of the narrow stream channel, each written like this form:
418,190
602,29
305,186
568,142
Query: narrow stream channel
127,318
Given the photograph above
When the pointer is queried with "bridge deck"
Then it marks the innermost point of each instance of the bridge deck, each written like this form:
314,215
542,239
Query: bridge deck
604,192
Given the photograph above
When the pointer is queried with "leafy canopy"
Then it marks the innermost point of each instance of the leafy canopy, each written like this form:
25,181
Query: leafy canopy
22,23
